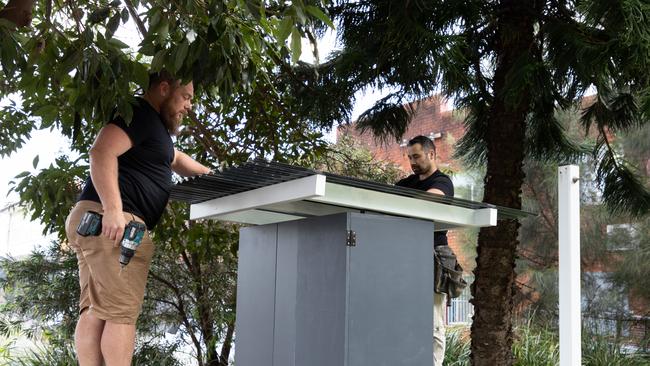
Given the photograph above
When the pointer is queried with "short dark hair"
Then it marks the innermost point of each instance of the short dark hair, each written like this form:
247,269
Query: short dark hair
426,143
156,78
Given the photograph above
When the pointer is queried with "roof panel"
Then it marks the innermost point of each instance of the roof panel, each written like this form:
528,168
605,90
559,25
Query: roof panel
271,186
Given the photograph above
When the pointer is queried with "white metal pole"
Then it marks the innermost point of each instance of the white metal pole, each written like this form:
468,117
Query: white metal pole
569,258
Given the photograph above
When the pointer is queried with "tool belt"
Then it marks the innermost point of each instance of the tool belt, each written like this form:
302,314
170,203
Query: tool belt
448,274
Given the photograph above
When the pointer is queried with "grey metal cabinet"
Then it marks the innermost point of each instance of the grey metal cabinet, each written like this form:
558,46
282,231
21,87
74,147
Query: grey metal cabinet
348,289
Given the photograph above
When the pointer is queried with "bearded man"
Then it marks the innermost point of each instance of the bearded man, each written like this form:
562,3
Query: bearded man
130,178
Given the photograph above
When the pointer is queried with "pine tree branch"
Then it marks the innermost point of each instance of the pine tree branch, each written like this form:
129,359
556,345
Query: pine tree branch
549,222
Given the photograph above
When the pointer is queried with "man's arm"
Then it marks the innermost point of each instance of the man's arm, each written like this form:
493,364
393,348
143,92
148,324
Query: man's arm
436,191
110,143
442,186
184,165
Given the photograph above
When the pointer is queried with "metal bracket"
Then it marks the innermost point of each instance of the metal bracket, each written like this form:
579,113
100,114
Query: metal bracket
351,239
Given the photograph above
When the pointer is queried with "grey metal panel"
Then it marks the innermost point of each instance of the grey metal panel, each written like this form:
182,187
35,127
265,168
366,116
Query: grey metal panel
256,295
321,290
390,292
285,295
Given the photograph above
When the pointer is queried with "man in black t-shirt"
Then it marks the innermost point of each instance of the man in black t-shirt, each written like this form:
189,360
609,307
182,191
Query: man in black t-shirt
130,178
427,177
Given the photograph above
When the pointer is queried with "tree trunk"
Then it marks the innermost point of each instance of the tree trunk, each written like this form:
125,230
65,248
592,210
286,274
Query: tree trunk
18,12
227,344
493,288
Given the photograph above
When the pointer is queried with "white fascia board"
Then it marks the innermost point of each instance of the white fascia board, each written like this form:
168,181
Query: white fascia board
365,199
486,215
256,217
312,186
306,208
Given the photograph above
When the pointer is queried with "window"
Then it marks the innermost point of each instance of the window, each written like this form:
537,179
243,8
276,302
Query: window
622,237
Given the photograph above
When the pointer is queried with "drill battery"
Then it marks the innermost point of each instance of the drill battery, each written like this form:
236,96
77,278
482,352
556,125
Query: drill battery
91,225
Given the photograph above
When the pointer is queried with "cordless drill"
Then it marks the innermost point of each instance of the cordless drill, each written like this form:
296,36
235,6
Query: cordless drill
91,224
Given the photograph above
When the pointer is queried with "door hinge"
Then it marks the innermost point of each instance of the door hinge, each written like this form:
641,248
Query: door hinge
351,239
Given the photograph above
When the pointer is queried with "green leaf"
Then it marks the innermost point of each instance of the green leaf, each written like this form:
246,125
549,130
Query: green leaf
35,162
148,49
47,113
117,43
71,60
163,30
6,23
98,15
295,45
318,13
158,60
112,25
181,53
22,175
284,29
255,8
300,14
141,75
89,37
154,18
125,15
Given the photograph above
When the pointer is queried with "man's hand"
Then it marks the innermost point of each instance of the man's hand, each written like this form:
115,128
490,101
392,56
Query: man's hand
113,224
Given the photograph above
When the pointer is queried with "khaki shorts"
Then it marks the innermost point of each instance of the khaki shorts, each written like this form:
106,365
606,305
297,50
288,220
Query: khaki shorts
105,292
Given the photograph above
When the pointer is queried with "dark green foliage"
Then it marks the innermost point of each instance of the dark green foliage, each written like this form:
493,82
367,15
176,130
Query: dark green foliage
72,73
418,48
349,158
51,193
44,288
385,116
599,351
145,355
457,346
15,129
537,345
633,271
623,190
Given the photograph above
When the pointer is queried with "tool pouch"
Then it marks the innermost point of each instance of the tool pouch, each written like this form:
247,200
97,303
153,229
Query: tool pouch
448,274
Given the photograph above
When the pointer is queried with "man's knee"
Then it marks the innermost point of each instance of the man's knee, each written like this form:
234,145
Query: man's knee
89,330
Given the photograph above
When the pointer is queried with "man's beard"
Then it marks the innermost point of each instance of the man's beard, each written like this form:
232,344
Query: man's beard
168,119
420,168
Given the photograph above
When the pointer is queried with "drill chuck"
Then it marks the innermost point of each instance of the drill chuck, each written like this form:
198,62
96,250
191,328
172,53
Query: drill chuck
133,234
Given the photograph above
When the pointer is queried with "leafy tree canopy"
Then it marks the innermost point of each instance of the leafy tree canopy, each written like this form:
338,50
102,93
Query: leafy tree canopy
68,70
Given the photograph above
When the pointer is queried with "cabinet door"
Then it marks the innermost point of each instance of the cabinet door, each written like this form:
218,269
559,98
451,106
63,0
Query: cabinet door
256,295
390,292
320,291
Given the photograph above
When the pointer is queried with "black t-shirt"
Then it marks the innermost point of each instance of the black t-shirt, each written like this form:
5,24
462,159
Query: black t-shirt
437,180
144,171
